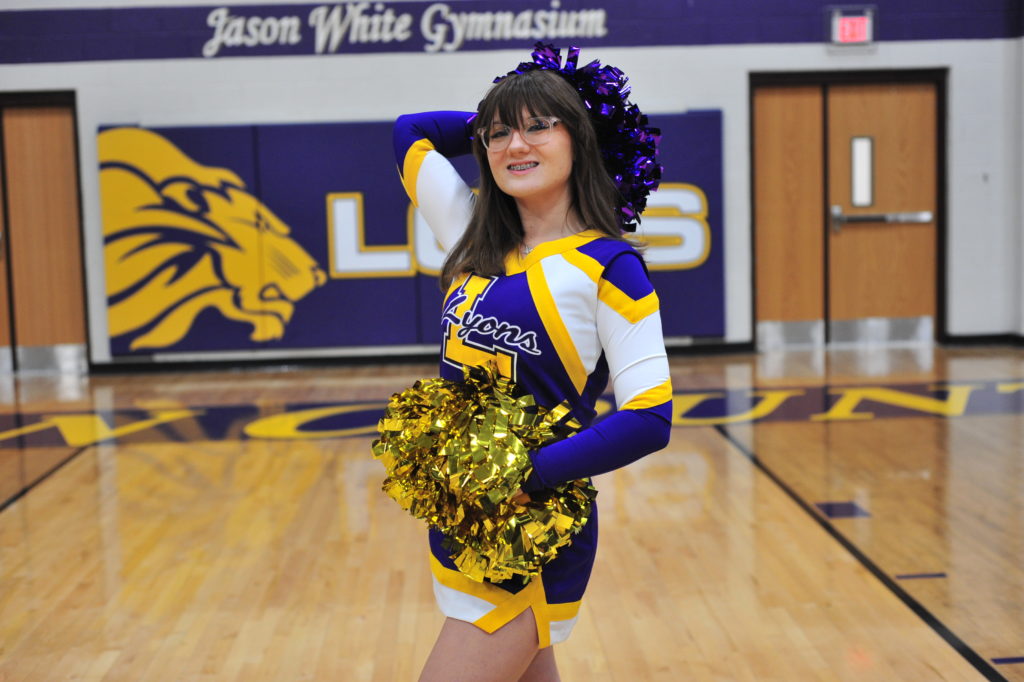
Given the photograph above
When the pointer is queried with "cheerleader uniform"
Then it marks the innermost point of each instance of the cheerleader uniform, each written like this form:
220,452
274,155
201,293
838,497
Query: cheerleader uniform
560,322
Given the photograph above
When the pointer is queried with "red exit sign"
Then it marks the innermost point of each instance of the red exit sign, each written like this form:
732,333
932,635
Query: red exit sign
853,26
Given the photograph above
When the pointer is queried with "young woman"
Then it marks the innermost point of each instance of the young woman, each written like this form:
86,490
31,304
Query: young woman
540,281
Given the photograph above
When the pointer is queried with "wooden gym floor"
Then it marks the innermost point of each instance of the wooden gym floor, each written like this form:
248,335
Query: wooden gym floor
849,515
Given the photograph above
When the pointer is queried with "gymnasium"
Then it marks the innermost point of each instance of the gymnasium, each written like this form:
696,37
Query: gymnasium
212,282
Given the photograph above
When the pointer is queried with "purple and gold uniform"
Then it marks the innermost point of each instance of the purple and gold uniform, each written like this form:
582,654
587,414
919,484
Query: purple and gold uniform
560,322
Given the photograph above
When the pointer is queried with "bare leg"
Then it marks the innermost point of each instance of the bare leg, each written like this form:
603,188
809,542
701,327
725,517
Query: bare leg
543,668
465,653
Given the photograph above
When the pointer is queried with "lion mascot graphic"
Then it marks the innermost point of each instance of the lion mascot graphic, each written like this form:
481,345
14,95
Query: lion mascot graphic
180,237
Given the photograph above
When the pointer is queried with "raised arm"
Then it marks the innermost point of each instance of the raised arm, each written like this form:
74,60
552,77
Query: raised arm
423,144
629,327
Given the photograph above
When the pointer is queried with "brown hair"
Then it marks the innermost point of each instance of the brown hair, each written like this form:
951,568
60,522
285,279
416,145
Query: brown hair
494,227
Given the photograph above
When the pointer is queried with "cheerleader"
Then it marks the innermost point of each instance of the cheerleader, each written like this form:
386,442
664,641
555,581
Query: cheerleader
542,285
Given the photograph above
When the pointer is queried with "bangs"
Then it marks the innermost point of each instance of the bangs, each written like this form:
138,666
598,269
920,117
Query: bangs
523,92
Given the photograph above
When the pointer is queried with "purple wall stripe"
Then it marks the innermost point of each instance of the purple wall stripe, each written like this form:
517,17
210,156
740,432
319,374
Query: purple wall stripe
28,36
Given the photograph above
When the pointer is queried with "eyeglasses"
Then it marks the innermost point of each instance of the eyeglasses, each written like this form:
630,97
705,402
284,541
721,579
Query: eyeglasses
535,131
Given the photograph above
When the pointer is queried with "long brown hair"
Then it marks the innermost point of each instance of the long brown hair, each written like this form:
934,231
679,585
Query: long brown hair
494,227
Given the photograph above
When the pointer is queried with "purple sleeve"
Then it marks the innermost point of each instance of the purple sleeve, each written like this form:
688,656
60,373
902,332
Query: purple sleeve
623,437
449,131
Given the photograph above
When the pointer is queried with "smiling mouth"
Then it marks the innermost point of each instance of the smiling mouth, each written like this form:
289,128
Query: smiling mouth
523,166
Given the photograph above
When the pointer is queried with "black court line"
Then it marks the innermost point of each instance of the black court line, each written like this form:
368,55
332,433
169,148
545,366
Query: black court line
979,663
4,504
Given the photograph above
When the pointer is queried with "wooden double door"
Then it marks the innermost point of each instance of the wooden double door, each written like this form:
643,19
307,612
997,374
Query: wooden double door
845,212
42,298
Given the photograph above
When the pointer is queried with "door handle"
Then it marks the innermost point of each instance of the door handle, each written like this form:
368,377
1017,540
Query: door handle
839,219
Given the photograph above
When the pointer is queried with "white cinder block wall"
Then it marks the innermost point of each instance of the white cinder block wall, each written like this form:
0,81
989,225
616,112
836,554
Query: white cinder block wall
985,179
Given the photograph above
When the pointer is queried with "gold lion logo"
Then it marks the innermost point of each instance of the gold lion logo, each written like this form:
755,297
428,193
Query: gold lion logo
180,237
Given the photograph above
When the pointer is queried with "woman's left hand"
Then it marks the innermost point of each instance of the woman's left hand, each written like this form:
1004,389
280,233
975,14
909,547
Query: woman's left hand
521,498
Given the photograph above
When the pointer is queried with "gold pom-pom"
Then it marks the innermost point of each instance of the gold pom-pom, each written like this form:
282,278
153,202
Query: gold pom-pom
456,452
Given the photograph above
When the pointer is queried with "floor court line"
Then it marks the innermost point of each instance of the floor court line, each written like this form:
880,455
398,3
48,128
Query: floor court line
979,663
4,504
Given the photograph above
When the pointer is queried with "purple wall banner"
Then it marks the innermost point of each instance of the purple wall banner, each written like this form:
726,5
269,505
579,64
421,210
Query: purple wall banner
300,236
64,35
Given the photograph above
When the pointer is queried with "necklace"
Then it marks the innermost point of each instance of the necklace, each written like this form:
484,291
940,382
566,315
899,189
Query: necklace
526,249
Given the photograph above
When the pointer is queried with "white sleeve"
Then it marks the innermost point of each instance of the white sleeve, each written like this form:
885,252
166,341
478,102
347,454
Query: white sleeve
629,328
635,352
444,199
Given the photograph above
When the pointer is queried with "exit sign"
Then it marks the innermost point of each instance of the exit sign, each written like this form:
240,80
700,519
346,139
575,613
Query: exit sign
853,25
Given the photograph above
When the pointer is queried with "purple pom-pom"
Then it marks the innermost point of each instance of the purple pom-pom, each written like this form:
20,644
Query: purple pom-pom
629,146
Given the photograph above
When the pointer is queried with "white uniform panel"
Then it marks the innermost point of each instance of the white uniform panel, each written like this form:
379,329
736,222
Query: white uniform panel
575,297
631,370
445,201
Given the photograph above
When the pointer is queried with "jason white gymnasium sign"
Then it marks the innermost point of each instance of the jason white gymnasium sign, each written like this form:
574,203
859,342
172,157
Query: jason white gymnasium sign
440,27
